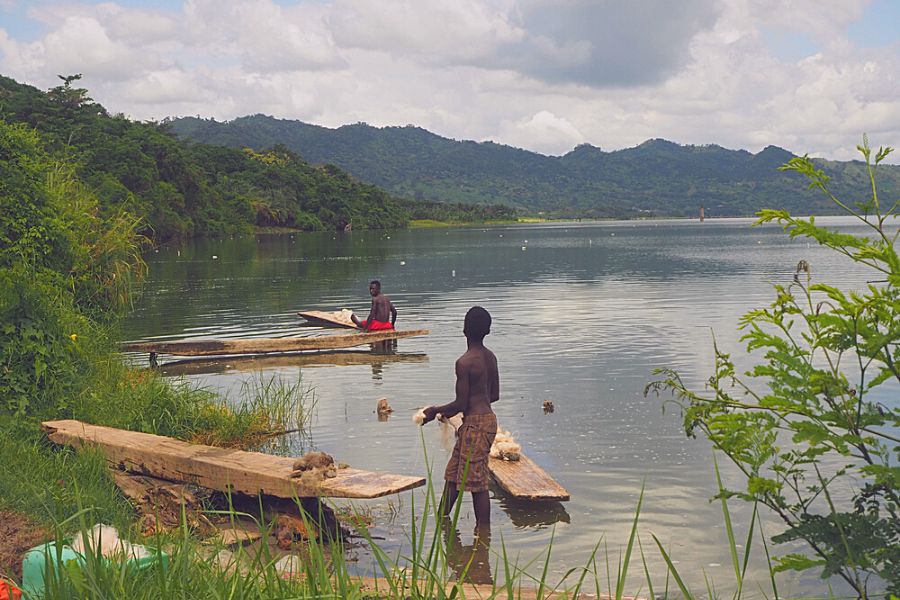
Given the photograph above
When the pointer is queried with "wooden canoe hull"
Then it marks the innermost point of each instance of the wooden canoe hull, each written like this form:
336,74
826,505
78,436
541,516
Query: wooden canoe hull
524,479
222,347
329,319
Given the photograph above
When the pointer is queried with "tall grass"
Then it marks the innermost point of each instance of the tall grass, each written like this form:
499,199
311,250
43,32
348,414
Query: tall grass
429,570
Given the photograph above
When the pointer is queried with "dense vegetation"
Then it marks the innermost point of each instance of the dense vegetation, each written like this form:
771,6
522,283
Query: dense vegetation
181,189
813,426
656,178
67,268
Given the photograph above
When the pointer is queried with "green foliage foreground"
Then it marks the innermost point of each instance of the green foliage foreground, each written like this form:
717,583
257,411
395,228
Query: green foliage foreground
805,426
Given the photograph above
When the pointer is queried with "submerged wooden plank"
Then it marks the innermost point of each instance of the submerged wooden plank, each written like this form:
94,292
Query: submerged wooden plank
205,366
268,345
524,479
220,468
335,319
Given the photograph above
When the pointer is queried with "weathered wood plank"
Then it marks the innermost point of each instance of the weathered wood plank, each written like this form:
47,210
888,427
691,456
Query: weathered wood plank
268,345
205,366
220,468
524,479
334,319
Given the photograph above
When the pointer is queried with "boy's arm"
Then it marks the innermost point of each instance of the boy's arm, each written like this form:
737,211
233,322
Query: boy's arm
462,396
495,383
393,313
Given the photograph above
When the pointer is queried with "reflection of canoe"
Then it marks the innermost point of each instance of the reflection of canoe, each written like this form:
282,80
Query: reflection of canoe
525,513
339,318
224,347
258,363
524,479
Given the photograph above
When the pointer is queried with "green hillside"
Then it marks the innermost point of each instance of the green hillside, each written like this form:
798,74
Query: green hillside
655,178
181,188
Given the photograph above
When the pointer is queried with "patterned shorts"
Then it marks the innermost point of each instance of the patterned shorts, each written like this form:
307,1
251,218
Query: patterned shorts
469,460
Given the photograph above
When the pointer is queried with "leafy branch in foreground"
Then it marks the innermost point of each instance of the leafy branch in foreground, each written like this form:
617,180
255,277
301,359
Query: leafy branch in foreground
805,425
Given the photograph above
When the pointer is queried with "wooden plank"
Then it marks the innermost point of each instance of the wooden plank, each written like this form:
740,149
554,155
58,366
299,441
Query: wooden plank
524,479
220,468
268,345
205,366
332,319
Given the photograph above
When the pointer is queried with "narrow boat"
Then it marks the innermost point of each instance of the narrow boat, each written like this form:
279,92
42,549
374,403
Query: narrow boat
338,318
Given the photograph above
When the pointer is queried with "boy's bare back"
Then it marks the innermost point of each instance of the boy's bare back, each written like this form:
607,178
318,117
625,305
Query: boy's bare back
477,380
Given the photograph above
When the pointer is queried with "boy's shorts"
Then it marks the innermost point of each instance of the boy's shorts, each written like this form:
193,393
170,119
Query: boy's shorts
471,452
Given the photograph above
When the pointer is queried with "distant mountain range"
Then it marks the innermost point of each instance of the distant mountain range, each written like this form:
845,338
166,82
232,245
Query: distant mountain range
658,177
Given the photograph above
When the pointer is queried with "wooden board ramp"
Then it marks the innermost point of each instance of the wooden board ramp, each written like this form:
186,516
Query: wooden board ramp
524,479
220,469
222,347
337,318
205,366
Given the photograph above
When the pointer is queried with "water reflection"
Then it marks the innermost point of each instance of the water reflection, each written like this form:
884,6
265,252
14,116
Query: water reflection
524,513
471,563
312,359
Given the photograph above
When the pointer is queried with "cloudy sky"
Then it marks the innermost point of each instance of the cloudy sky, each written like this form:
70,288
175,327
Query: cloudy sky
809,75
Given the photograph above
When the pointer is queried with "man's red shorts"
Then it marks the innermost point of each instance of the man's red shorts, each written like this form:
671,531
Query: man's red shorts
376,325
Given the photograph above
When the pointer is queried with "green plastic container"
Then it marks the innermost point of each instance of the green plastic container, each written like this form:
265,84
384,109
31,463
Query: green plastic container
35,565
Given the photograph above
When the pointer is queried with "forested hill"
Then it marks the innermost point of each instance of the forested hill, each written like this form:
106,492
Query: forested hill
181,188
657,177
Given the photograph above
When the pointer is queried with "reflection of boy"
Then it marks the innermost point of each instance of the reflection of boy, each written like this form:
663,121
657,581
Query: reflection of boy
382,310
471,564
477,386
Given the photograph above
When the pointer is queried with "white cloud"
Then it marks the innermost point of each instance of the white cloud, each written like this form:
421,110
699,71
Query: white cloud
525,72
544,132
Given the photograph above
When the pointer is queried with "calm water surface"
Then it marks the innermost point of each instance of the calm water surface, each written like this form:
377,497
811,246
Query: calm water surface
583,313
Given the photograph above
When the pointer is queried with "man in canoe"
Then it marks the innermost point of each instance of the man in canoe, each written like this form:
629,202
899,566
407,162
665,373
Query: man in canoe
382,315
477,386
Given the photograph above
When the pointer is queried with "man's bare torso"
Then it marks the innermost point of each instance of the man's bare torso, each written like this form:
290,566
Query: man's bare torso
381,308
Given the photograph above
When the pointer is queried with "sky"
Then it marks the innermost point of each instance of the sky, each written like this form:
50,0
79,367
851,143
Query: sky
811,76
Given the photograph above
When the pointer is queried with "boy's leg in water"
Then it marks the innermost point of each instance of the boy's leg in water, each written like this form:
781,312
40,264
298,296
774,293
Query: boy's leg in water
449,499
481,501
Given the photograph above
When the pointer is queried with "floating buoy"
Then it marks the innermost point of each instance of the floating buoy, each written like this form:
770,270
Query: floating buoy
453,273
402,262
523,247
215,257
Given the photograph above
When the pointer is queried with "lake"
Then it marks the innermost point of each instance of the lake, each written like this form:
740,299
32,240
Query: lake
582,314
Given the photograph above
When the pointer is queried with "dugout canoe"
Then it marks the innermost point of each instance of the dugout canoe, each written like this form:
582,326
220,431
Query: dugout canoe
337,318
525,480
249,346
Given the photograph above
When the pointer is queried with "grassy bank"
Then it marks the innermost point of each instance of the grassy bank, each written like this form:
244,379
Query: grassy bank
434,224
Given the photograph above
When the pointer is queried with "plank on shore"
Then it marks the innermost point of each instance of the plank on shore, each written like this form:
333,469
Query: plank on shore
524,479
220,469
334,319
268,345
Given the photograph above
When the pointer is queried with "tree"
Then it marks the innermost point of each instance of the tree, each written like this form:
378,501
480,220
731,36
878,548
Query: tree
805,425
68,96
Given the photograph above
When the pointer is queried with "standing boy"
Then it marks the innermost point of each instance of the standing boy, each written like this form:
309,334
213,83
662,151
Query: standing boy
477,386
382,309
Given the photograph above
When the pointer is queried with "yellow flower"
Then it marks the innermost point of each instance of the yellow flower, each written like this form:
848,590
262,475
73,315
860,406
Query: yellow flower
74,336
